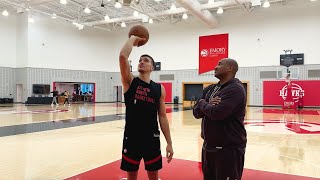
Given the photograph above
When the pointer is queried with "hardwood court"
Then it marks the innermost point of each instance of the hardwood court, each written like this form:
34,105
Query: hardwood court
84,141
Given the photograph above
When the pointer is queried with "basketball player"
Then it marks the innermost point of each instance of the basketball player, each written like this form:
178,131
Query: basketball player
222,109
144,101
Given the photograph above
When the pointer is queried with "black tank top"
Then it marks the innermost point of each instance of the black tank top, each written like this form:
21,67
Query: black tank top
142,105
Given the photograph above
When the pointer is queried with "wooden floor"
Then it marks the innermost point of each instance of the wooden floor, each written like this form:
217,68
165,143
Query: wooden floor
43,142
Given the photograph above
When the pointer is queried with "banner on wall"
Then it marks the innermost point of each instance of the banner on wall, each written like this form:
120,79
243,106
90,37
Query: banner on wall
168,88
276,92
211,50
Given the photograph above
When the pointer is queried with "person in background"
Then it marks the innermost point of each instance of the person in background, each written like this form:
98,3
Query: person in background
66,96
55,98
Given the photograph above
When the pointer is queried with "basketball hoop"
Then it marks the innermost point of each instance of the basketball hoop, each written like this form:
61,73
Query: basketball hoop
291,73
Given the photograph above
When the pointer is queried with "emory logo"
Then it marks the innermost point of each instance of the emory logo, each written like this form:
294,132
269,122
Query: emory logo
295,92
217,51
212,52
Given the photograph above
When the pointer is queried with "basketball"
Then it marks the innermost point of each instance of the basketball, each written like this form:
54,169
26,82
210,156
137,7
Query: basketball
140,31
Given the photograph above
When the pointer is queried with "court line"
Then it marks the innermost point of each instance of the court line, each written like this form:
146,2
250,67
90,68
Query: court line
61,124
53,125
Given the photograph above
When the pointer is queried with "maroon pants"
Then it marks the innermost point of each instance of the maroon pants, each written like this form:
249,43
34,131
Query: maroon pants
223,164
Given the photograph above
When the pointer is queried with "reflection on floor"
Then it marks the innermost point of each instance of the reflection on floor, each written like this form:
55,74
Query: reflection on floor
44,142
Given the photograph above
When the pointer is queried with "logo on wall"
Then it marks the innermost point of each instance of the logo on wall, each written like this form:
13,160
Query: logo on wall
295,92
216,51
204,53
213,52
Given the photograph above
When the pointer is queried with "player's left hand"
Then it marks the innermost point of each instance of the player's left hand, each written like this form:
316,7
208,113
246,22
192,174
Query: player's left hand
169,150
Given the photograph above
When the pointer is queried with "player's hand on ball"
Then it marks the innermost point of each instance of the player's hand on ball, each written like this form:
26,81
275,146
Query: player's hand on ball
169,150
137,40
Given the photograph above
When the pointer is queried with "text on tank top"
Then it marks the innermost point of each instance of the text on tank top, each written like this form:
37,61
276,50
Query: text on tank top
142,105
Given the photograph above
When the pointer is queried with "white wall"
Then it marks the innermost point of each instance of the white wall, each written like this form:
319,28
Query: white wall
22,37
8,41
60,45
277,28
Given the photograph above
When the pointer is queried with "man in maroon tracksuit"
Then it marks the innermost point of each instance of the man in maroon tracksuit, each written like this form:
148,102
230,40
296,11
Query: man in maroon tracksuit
222,109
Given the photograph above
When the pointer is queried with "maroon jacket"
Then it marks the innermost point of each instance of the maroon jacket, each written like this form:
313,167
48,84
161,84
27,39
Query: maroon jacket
222,124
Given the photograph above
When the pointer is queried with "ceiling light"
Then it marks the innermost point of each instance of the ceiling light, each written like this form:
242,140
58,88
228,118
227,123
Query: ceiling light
117,5
173,7
220,10
27,9
256,2
313,0
87,10
54,16
80,26
5,13
123,24
157,0
63,1
266,4
210,1
185,16
150,21
107,18
31,20
144,18
135,13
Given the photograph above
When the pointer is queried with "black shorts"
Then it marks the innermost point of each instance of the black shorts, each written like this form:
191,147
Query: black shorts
134,149
223,164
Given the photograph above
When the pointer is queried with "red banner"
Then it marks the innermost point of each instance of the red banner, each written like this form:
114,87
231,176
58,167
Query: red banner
211,50
168,88
276,92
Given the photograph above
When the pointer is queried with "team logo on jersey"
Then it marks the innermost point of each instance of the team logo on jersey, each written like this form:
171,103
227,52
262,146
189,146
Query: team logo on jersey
142,94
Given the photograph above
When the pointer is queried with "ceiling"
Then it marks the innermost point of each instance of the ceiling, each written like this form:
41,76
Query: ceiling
158,11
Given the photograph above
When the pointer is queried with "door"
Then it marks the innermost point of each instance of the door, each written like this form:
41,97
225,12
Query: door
19,97
119,94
